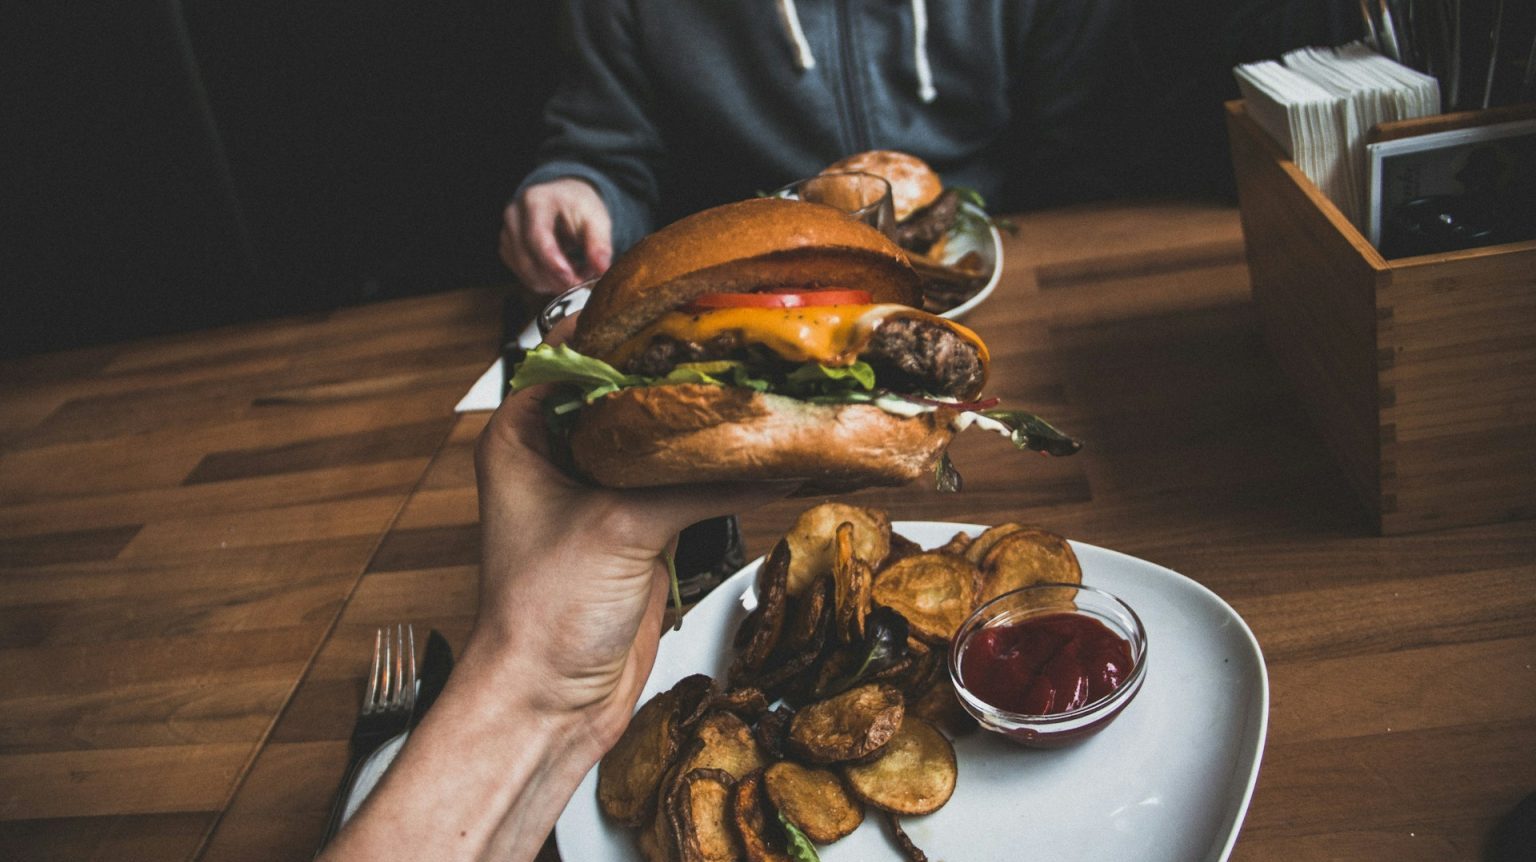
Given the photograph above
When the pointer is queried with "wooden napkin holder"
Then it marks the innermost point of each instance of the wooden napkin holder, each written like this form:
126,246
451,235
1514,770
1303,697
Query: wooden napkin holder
1419,372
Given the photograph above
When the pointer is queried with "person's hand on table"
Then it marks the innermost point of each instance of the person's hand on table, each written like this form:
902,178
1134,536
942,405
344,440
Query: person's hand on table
556,234
573,599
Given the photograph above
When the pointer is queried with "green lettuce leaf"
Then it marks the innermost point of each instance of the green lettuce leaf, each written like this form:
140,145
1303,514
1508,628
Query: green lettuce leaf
561,364
815,376
593,378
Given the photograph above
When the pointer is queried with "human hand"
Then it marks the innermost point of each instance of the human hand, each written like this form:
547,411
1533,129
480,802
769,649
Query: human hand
574,578
557,234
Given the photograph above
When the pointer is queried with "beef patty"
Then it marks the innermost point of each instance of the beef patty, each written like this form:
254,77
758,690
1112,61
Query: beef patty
908,355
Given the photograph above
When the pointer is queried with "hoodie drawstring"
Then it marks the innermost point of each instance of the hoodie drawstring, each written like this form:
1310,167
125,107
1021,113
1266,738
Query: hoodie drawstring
925,89
789,17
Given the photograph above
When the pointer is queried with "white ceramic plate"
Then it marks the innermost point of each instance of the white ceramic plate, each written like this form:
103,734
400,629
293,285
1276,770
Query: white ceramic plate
1168,781
989,247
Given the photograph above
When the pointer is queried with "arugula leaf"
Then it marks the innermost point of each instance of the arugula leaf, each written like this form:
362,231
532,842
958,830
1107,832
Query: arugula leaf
885,643
1032,432
796,844
970,196
946,477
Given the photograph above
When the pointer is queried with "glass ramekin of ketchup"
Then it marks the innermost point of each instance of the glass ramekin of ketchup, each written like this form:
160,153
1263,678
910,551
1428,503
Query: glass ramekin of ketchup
1049,665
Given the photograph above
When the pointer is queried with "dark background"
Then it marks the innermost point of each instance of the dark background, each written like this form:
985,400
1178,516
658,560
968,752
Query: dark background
176,165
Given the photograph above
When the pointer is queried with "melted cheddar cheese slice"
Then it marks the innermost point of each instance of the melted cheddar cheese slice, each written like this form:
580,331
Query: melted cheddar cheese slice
829,334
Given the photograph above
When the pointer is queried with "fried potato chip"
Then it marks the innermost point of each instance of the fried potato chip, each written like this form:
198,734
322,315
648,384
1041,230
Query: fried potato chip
630,773
850,726
814,799
811,539
983,543
934,591
853,579
699,809
1025,557
914,774
722,741
760,840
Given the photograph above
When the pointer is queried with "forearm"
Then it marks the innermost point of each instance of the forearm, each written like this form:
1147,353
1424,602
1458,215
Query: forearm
484,776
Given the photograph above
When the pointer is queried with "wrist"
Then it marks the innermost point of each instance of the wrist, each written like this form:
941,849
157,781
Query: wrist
483,741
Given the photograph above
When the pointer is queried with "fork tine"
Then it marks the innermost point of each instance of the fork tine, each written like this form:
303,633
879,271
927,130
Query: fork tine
388,689
373,674
410,677
394,695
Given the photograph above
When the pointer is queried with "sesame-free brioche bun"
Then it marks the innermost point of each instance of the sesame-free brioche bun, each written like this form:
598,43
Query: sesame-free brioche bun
914,184
743,247
667,435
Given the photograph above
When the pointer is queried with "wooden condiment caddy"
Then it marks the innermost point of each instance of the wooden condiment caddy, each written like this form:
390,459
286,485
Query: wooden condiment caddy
1418,372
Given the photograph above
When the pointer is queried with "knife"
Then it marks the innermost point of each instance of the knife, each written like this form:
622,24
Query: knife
436,664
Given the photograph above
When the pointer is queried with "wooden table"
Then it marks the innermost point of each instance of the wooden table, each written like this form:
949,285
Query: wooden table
199,534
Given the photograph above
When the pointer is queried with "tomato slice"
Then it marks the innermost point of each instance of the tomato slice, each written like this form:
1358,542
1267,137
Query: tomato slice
781,299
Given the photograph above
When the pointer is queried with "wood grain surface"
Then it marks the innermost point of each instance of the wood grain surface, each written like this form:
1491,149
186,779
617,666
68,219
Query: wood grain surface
190,583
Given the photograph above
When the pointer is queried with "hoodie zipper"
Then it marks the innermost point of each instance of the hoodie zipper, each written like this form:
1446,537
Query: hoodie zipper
855,123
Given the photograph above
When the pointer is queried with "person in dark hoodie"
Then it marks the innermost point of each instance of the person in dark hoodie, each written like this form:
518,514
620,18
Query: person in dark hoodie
667,108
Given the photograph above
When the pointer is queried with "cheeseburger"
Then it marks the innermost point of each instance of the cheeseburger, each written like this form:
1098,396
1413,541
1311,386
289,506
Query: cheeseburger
766,340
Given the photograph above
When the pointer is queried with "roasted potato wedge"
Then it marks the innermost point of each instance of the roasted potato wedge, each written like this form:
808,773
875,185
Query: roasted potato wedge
909,851
1025,557
814,799
772,731
630,773
722,741
940,706
853,579
805,614
747,702
767,620
761,839
700,812
983,543
933,590
811,539
655,838
957,544
915,773
851,726
901,546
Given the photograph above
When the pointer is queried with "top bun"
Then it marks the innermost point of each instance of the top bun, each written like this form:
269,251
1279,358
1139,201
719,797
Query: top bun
742,247
914,184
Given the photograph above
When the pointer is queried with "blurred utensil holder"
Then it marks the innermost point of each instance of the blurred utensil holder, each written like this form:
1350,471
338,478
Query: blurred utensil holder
1417,372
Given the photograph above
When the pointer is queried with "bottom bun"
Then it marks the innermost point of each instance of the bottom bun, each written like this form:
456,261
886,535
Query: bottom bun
669,435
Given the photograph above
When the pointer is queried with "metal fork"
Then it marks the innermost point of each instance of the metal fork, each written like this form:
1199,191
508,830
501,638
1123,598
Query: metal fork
386,710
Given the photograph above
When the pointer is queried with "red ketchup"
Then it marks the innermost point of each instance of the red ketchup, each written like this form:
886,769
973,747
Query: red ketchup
1045,665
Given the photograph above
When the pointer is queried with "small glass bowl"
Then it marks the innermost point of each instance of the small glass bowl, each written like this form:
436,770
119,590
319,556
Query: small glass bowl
1064,728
